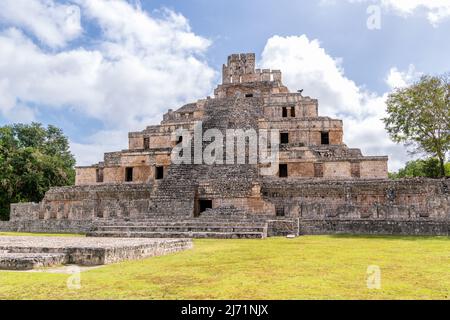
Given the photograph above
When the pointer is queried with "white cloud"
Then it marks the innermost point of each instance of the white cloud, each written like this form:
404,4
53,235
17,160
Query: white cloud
400,79
306,65
52,23
140,67
97,144
436,10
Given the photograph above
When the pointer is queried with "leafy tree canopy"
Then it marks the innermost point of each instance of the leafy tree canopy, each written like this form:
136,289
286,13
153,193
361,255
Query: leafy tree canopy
32,159
419,117
429,168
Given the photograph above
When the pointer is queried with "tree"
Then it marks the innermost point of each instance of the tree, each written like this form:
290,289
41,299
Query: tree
429,168
419,116
32,159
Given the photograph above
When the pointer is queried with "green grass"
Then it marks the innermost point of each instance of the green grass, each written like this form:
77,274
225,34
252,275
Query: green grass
309,267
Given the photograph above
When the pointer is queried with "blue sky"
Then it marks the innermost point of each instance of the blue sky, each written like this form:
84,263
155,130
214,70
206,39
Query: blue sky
99,69
245,26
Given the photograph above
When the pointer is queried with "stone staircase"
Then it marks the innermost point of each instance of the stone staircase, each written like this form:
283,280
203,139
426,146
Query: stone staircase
226,228
176,193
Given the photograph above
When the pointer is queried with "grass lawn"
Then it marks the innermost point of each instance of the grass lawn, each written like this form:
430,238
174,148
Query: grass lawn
309,267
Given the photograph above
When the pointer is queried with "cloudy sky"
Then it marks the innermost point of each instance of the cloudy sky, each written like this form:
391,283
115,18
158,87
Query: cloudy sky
99,68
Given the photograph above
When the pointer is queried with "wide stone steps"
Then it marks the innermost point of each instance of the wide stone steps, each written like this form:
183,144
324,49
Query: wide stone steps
181,228
237,221
179,234
183,223
189,228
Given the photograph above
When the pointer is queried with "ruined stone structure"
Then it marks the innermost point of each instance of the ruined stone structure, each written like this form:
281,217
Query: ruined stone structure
319,186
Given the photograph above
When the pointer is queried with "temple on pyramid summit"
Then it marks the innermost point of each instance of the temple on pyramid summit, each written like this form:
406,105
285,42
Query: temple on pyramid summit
316,185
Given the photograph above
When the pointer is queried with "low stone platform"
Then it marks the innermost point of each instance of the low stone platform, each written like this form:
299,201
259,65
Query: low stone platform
25,253
28,261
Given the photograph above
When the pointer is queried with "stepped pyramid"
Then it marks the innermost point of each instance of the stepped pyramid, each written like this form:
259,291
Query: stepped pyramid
248,98
316,184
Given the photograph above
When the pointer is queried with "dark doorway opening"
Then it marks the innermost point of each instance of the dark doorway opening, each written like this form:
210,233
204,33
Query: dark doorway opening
279,211
324,138
129,174
99,175
146,143
203,205
285,112
284,137
283,171
293,112
159,173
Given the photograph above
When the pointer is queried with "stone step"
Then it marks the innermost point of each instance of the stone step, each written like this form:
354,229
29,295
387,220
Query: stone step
29,261
185,223
181,228
202,219
174,234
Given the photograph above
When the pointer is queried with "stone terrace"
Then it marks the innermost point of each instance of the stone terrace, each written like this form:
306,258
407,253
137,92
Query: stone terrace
25,253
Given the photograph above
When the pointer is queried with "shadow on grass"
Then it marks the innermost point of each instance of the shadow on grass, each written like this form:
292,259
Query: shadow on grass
388,237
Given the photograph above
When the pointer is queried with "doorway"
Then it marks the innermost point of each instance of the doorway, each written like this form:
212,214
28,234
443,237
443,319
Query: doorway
203,205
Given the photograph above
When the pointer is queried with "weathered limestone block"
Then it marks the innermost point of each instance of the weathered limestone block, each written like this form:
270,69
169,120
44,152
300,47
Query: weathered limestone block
25,211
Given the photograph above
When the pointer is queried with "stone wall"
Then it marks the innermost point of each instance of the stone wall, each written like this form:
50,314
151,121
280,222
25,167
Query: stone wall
25,211
373,169
375,227
88,203
408,199
283,227
86,175
372,200
336,169
301,169
47,226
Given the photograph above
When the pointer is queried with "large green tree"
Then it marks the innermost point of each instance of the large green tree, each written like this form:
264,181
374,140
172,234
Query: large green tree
419,117
429,168
32,159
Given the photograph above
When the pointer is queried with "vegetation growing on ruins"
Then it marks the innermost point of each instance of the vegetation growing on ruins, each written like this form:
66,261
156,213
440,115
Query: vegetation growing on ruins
419,116
32,159
308,267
